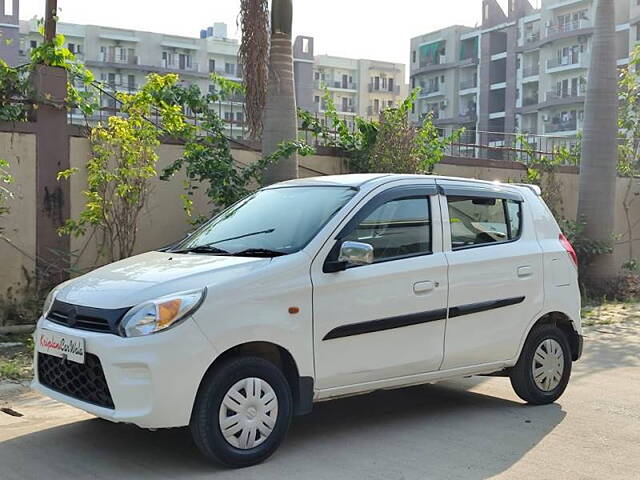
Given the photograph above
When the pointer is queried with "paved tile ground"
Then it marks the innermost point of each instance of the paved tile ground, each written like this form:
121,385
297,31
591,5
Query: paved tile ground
465,429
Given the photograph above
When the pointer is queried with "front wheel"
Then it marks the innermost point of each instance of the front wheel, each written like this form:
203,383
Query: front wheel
544,367
242,412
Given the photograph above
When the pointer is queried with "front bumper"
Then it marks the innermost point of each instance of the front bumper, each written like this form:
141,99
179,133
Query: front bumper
153,380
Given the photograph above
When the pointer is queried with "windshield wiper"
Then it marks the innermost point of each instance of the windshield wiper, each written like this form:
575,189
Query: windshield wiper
261,232
202,249
259,252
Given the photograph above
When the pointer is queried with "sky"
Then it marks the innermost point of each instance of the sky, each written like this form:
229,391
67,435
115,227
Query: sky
373,29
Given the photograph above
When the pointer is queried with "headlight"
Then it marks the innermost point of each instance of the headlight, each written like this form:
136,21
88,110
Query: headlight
160,314
48,302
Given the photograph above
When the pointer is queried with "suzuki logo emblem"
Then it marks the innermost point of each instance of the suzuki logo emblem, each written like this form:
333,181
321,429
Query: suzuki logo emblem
71,316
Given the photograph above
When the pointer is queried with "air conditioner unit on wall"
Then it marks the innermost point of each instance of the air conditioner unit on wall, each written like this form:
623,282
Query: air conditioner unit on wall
545,117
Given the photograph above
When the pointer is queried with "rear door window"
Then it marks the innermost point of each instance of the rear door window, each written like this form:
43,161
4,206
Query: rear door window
479,221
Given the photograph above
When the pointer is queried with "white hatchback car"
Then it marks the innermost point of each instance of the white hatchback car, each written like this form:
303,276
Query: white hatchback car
315,289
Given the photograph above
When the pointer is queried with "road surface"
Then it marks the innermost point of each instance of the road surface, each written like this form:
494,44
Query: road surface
472,428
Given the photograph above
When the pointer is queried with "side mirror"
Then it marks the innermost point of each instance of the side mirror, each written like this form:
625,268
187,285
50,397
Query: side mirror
356,253
351,253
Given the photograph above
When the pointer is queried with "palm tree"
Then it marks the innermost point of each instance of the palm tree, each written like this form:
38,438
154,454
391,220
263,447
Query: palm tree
269,84
596,205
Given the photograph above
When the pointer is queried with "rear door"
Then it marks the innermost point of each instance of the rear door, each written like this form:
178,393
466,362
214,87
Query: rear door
386,319
495,273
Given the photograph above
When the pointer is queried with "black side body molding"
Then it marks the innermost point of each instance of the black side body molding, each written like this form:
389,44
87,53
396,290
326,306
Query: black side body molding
386,324
483,306
418,318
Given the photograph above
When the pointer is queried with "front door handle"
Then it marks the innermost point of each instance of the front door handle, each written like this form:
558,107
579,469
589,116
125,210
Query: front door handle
525,271
420,288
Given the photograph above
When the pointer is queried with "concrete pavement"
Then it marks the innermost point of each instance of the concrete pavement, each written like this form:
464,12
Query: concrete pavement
465,429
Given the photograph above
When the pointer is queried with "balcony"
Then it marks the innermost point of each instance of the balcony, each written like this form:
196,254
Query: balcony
468,83
228,74
346,109
342,85
565,94
561,29
567,63
182,66
531,70
436,114
123,60
432,62
430,91
394,90
556,125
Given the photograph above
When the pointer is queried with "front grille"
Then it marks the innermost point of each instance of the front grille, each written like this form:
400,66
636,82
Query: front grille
86,318
80,322
84,382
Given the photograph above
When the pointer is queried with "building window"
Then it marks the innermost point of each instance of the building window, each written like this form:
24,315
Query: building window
33,44
8,8
391,85
316,99
305,45
212,65
414,54
229,68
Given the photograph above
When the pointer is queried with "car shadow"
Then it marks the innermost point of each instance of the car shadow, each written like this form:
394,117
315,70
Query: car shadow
604,350
432,431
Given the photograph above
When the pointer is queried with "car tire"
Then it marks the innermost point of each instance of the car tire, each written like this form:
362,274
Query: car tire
261,407
542,373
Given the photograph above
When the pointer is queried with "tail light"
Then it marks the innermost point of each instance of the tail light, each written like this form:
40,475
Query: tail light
569,248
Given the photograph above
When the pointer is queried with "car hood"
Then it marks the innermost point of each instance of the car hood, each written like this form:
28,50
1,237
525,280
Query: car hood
137,279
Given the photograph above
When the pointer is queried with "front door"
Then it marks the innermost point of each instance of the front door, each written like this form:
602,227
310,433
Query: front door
386,319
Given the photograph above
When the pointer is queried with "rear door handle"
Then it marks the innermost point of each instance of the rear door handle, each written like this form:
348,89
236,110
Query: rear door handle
424,287
525,271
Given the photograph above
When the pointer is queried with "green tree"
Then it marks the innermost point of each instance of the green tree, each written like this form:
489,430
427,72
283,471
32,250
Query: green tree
122,164
629,146
389,145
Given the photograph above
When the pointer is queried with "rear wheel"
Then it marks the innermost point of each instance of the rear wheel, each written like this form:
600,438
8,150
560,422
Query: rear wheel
242,412
544,367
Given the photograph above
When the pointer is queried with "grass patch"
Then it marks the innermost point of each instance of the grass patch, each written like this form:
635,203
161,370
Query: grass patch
16,363
610,313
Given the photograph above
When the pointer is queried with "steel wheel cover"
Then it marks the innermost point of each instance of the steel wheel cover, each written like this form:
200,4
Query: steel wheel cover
548,365
248,413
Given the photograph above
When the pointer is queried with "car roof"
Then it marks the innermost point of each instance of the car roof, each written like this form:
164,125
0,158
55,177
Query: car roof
374,179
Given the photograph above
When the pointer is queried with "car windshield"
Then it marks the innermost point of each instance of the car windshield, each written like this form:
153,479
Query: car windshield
269,222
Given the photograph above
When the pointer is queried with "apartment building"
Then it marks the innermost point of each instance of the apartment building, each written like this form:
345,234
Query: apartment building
358,87
121,59
521,70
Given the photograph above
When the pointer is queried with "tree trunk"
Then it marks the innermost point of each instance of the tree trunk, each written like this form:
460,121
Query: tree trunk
280,115
598,166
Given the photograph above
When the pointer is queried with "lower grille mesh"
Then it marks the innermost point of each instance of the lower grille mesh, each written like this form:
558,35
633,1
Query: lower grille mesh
85,382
